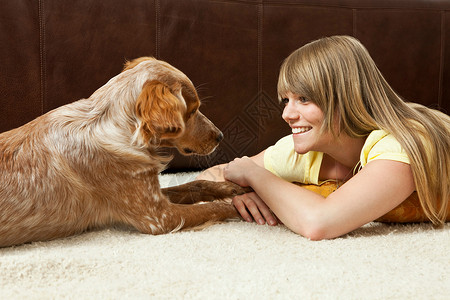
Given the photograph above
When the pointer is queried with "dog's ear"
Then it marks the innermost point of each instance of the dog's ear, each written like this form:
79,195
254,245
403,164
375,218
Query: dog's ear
160,112
133,63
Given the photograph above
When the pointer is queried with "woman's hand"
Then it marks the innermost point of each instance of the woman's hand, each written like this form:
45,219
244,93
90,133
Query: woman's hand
237,170
251,206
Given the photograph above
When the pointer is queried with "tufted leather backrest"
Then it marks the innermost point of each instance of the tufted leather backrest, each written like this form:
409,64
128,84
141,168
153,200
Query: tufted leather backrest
54,52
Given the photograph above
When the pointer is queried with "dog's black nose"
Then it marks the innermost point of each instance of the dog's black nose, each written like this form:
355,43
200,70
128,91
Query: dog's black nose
219,137
188,151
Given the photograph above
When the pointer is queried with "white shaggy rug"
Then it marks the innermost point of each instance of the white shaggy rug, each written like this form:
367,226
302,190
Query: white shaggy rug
234,260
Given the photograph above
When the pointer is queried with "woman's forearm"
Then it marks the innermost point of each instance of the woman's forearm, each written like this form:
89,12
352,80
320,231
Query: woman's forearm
213,174
297,207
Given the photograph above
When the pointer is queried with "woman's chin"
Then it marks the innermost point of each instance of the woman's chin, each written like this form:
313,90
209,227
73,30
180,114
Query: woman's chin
301,150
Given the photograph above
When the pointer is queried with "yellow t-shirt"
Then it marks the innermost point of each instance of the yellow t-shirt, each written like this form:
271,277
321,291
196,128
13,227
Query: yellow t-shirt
282,160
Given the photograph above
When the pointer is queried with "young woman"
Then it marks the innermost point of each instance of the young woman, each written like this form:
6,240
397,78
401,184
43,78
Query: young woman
350,126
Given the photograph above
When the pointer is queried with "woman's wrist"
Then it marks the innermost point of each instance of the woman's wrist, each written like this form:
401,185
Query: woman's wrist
253,174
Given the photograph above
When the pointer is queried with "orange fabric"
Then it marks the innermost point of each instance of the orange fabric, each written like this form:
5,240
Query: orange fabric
408,211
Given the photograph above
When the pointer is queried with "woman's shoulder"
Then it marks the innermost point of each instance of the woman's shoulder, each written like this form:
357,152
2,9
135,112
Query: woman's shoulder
382,145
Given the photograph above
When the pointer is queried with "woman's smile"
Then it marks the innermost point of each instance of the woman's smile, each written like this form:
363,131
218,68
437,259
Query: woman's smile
301,130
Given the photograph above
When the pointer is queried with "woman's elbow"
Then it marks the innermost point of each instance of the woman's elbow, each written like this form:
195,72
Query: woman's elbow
313,233
313,228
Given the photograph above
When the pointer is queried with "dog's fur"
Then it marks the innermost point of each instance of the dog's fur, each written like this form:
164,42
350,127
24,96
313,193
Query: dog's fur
95,162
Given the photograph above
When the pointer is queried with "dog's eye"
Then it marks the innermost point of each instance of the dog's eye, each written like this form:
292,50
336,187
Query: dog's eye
192,113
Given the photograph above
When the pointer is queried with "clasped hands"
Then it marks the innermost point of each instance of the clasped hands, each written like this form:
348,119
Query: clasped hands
250,206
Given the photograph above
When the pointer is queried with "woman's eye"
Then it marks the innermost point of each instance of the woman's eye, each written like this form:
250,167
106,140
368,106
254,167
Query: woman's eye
303,100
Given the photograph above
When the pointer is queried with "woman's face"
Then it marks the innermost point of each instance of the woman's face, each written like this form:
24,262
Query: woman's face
305,118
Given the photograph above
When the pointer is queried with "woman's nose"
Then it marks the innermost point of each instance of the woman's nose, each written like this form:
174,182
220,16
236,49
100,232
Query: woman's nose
289,113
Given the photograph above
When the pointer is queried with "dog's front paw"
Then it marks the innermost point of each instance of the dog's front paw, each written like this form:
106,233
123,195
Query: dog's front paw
230,189
221,190
204,191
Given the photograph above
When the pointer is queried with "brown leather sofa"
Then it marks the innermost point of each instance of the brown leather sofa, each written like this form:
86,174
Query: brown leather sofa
54,52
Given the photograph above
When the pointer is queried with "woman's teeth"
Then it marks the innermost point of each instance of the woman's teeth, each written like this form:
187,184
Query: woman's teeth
301,129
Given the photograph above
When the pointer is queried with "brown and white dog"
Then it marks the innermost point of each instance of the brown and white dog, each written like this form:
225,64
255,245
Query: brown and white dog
95,162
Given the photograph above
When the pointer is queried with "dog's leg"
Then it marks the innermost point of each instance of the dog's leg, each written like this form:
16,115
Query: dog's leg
203,191
174,217
201,215
150,211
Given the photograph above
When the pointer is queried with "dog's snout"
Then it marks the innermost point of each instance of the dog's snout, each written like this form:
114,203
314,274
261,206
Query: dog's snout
219,137
188,151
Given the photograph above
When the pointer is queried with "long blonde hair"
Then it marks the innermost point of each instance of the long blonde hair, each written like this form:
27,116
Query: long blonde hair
338,74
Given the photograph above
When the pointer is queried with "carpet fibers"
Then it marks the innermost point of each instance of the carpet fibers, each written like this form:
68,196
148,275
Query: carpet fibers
233,260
